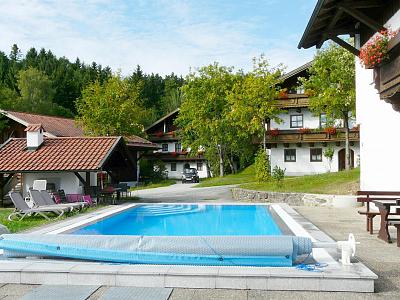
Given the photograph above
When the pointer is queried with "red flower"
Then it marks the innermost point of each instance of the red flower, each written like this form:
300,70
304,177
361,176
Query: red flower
273,132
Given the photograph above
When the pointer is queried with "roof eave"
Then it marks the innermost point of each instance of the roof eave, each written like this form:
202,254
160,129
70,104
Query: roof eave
162,119
314,15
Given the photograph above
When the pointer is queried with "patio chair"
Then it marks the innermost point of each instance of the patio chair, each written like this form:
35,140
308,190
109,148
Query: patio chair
49,201
22,209
39,201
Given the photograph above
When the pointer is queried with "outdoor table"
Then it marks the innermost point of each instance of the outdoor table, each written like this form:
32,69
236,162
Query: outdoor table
110,192
384,210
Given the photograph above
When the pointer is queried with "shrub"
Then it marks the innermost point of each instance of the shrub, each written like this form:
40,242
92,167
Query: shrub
328,153
278,175
262,166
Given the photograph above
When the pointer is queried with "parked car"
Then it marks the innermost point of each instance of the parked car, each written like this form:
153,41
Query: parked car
190,175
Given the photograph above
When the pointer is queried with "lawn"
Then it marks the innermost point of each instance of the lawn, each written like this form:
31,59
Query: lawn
247,175
166,182
33,221
339,183
343,183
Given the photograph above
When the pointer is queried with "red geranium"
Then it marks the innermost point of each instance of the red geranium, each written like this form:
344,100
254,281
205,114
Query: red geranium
304,130
375,51
330,130
273,132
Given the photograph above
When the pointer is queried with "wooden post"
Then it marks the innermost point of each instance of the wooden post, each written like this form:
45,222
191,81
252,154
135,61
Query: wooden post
2,189
87,185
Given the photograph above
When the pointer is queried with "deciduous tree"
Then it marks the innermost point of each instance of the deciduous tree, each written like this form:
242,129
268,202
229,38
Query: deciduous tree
332,87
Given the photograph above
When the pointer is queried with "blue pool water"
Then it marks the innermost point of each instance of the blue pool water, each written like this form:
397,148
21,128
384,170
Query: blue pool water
187,220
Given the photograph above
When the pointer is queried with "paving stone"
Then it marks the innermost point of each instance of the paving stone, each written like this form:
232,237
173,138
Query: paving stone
15,289
60,292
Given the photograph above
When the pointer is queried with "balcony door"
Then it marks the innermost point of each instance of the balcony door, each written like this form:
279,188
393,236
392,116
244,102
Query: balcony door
342,159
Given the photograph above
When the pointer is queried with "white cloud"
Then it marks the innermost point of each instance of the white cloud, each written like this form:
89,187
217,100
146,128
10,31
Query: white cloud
173,38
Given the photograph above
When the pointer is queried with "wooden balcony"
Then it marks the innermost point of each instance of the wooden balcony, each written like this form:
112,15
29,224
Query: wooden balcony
163,137
174,156
297,137
293,101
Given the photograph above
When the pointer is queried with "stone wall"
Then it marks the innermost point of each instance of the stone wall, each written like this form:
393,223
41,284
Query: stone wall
295,199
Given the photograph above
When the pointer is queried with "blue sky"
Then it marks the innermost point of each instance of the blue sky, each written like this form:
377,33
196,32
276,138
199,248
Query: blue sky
162,36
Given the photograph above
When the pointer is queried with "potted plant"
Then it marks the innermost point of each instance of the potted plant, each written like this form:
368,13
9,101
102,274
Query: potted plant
159,134
273,132
283,93
174,154
330,130
304,130
375,51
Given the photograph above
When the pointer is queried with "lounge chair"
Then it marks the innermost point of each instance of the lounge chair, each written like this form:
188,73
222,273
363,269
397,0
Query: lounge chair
39,201
49,201
22,209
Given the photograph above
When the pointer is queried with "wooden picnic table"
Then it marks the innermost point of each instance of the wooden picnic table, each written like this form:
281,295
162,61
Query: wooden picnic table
384,207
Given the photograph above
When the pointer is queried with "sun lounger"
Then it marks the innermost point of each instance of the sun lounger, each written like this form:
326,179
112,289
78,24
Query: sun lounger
49,201
39,201
22,209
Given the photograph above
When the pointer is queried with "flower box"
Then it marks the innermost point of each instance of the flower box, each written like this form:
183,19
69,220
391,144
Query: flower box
304,130
330,130
273,132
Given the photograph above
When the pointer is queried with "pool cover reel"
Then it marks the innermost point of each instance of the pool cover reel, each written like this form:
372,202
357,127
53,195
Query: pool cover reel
188,250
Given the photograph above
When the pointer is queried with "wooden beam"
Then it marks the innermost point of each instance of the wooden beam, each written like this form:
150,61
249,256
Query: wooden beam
363,18
345,45
365,4
331,24
80,178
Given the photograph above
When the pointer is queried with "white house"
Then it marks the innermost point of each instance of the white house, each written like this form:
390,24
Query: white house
299,141
163,133
377,90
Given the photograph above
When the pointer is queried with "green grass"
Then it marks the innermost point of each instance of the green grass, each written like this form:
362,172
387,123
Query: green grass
247,175
340,183
166,182
33,221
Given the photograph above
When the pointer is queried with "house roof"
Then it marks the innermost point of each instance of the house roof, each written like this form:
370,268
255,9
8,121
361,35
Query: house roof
296,71
139,143
332,18
163,118
34,127
57,154
53,126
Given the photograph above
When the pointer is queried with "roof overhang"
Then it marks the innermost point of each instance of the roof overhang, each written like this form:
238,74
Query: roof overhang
333,18
162,119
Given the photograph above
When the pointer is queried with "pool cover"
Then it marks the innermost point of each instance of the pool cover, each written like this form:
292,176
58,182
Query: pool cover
177,250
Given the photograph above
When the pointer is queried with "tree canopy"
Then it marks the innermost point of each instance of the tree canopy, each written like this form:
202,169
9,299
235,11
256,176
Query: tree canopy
112,108
331,86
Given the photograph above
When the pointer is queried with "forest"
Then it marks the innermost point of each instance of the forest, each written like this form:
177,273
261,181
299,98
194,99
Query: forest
40,82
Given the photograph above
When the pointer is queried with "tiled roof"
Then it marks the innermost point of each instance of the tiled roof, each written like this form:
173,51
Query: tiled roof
136,141
55,126
34,127
57,154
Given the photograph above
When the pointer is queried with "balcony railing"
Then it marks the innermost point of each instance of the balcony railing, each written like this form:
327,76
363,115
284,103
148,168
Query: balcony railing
296,136
293,101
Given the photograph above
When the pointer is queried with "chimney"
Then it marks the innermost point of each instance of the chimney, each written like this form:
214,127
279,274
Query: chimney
34,136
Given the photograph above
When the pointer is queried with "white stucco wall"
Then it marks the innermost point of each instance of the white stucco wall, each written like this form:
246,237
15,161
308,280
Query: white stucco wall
309,120
302,165
63,180
379,138
179,169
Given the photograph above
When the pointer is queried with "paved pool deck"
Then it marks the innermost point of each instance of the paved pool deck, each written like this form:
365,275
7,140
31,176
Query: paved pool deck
380,257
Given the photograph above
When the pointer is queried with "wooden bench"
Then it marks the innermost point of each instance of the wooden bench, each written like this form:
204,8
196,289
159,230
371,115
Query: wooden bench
396,223
366,197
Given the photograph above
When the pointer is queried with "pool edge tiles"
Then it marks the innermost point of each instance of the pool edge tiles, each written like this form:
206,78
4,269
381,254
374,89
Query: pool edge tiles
335,277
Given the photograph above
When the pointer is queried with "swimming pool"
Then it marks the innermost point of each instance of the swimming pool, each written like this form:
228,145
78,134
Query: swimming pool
188,220
180,234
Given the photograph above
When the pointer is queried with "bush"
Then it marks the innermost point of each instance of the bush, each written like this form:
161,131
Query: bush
262,166
278,175
152,171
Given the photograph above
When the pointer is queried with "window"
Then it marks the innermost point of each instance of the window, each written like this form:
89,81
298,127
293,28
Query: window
322,120
178,147
296,121
316,154
199,166
164,147
290,155
173,166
